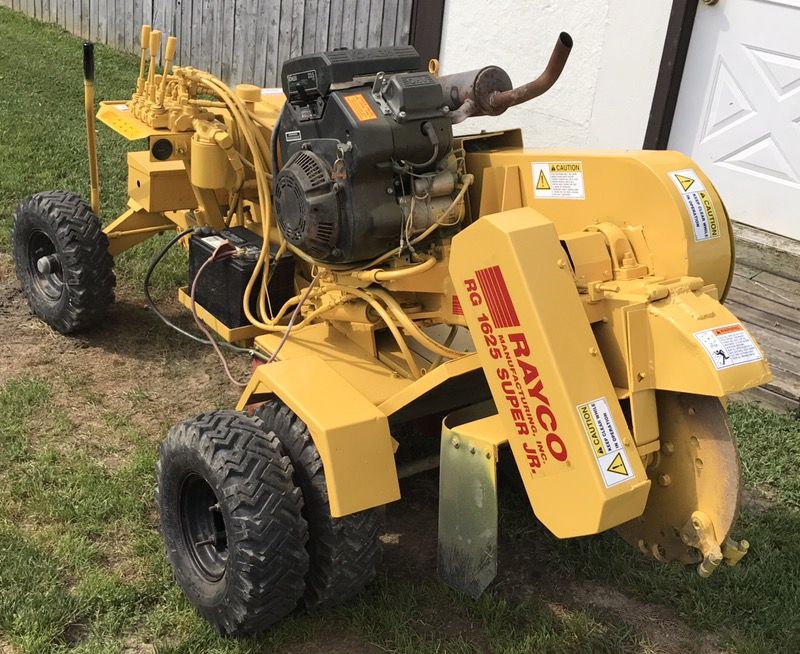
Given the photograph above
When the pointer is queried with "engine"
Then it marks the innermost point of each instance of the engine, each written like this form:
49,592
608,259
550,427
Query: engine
366,144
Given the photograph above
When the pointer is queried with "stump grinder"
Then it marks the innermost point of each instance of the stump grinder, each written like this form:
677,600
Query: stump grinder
567,306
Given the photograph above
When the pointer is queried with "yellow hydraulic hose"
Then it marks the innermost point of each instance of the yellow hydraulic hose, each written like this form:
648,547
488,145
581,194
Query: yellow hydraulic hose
378,275
413,330
401,342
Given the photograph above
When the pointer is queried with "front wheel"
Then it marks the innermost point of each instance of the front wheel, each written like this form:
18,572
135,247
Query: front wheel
232,522
62,260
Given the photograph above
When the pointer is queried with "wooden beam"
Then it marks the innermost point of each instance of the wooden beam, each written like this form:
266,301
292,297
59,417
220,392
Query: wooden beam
427,18
670,74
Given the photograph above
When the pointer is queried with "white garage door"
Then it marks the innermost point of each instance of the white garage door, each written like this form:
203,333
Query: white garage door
738,111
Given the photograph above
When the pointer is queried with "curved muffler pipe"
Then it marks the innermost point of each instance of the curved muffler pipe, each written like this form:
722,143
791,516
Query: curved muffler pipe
488,91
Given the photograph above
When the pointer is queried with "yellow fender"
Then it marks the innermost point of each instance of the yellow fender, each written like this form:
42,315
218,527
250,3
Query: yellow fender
351,434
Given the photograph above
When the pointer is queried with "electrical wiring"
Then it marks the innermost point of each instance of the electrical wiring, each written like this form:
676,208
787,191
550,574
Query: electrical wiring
295,313
217,255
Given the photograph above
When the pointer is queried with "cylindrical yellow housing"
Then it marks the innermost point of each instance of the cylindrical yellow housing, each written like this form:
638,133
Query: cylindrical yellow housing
210,167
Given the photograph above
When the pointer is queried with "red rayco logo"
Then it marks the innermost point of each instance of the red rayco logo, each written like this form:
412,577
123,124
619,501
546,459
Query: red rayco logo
521,392
498,300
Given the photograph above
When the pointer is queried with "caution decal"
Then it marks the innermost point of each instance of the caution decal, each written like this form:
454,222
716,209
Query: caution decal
360,107
558,180
729,346
703,214
612,460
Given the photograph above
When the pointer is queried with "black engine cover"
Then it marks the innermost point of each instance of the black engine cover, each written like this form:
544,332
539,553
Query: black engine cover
336,194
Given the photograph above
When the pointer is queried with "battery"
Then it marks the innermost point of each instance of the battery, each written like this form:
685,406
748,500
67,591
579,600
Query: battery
220,289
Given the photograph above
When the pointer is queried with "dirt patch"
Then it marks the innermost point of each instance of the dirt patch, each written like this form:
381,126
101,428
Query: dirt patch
336,642
757,500
668,633
131,366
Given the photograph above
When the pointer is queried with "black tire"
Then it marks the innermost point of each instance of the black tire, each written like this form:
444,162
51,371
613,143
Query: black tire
78,290
345,552
232,522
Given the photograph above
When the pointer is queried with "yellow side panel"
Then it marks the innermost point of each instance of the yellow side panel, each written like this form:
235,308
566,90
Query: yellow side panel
159,185
557,403
701,347
352,436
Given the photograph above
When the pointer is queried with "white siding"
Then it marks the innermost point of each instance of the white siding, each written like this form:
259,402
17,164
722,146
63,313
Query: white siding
602,99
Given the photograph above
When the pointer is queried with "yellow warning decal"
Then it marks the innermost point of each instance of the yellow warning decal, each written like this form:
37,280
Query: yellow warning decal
685,182
711,214
566,167
605,441
360,107
541,183
558,180
701,210
618,466
591,430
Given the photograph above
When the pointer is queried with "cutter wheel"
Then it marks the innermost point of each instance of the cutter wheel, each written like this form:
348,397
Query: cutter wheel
694,497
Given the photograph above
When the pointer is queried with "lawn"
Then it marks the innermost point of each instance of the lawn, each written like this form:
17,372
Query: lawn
81,564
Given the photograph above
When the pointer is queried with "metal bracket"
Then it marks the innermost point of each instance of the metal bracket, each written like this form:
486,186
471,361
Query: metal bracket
468,498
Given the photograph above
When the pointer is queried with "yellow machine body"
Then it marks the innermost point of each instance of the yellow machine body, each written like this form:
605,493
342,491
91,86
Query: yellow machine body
557,404
582,293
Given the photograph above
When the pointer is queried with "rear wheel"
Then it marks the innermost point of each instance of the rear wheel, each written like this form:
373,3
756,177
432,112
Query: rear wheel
62,260
345,552
232,523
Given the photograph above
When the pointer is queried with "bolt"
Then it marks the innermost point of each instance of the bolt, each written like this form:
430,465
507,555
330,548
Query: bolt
390,191
593,351
402,114
455,443
667,447
488,454
641,375
664,480
561,263
472,450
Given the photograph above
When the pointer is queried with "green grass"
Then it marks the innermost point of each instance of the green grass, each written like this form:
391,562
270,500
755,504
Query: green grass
81,564
80,539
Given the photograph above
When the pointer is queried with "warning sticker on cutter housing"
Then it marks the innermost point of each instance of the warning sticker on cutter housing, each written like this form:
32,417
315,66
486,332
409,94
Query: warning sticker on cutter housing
606,442
558,180
703,214
729,346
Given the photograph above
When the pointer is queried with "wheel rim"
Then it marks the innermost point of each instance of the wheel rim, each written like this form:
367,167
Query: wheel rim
203,528
49,285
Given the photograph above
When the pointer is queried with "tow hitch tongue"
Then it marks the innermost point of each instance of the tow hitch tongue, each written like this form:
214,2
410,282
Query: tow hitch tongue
694,497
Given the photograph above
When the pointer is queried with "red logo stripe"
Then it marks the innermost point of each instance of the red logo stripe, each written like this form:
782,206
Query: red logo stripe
457,309
498,299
